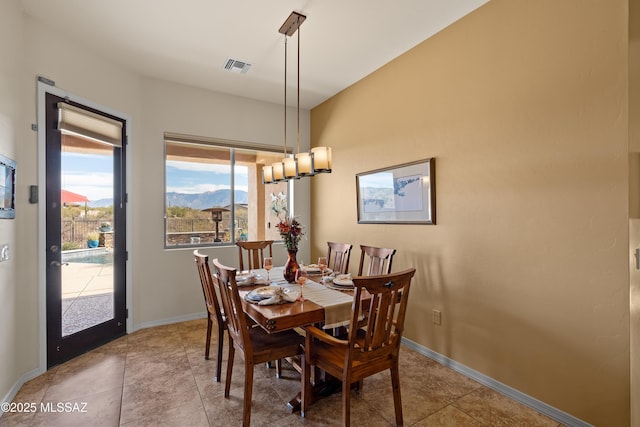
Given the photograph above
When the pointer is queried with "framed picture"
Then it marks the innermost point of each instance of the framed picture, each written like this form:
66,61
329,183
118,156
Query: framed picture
402,194
7,188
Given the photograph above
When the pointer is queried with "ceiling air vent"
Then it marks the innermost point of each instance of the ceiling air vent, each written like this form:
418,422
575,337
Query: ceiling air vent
236,66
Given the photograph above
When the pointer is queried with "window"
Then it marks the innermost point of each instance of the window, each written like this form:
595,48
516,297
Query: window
214,193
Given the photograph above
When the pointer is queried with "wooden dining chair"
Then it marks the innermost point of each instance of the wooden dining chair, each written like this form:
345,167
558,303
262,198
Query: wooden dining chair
214,310
338,255
369,349
378,260
253,344
255,252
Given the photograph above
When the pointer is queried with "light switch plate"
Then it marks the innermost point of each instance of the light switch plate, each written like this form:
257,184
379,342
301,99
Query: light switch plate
4,252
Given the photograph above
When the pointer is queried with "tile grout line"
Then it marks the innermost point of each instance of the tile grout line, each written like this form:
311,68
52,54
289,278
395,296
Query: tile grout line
191,366
124,373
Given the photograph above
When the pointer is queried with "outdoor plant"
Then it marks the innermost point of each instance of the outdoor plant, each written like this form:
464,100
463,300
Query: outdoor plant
92,235
67,246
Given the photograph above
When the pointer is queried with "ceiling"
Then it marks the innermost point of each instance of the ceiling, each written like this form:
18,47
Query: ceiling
189,41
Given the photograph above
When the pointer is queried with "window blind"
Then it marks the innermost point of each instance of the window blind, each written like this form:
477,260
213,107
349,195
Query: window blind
73,120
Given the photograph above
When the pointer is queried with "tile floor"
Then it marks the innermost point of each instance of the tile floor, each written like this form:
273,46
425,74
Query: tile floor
158,376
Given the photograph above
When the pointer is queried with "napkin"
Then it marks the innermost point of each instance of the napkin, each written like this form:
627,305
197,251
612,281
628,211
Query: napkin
280,297
251,280
311,268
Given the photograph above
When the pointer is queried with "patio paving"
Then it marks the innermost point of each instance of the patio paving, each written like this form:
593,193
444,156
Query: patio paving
87,295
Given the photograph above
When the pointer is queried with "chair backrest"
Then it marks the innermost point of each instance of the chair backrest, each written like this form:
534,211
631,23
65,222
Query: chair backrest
338,256
379,260
237,326
381,331
211,298
255,253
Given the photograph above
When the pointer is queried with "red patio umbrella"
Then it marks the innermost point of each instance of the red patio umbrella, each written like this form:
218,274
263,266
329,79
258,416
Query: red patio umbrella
69,197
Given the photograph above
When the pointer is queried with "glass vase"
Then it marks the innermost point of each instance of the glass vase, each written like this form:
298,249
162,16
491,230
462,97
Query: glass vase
291,266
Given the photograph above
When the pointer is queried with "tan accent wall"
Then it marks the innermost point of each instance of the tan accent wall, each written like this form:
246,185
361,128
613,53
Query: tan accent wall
524,104
634,204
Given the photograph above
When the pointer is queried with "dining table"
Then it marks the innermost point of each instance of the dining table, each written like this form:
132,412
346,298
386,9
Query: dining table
324,305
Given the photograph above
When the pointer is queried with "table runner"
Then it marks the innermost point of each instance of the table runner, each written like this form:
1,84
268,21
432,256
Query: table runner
336,304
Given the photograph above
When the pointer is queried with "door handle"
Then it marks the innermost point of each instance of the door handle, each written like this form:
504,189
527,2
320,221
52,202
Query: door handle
57,263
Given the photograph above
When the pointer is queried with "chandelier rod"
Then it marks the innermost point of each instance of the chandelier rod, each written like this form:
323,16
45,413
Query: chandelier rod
285,96
299,31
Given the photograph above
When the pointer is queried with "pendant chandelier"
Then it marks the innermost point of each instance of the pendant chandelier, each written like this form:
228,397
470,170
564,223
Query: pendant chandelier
318,159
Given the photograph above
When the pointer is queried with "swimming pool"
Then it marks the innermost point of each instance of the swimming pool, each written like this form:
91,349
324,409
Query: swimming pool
89,256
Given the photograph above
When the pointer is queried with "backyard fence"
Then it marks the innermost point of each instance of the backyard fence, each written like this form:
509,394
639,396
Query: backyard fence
189,225
76,230
179,230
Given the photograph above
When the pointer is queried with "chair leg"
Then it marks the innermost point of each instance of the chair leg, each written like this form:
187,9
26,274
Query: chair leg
208,343
278,364
227,385
395,384
346,403
248,389
278,368
219,359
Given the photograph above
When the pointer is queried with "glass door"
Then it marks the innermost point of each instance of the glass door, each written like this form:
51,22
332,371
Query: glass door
86,229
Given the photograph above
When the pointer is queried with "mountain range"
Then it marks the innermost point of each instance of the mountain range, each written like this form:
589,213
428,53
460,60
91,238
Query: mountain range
204,200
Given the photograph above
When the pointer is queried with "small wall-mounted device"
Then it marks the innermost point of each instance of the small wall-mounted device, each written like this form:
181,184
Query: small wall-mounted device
33,194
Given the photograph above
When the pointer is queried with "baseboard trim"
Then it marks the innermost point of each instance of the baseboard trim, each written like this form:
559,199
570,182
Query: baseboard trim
27,376
169,321
510,392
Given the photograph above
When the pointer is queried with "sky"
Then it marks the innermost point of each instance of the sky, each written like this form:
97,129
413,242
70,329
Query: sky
88,174
92,176
190,177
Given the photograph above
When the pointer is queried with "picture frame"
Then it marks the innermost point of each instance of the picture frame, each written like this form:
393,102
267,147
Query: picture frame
401,194
7,188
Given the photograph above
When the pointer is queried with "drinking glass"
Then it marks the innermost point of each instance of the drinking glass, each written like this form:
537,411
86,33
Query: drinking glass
301,278
268,265
322,264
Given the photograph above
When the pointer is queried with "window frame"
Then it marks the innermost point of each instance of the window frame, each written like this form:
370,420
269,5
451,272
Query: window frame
232,146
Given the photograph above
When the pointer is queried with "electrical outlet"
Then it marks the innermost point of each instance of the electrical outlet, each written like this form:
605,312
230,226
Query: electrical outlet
436,317
4,252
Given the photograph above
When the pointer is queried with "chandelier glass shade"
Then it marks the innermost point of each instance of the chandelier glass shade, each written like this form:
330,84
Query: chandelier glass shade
318,159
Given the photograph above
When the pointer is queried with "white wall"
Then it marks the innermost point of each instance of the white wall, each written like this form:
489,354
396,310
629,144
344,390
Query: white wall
12,365
169,275
165,285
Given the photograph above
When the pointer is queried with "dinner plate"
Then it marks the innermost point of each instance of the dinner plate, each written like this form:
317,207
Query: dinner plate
345,283
264,292
330,285
314,269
